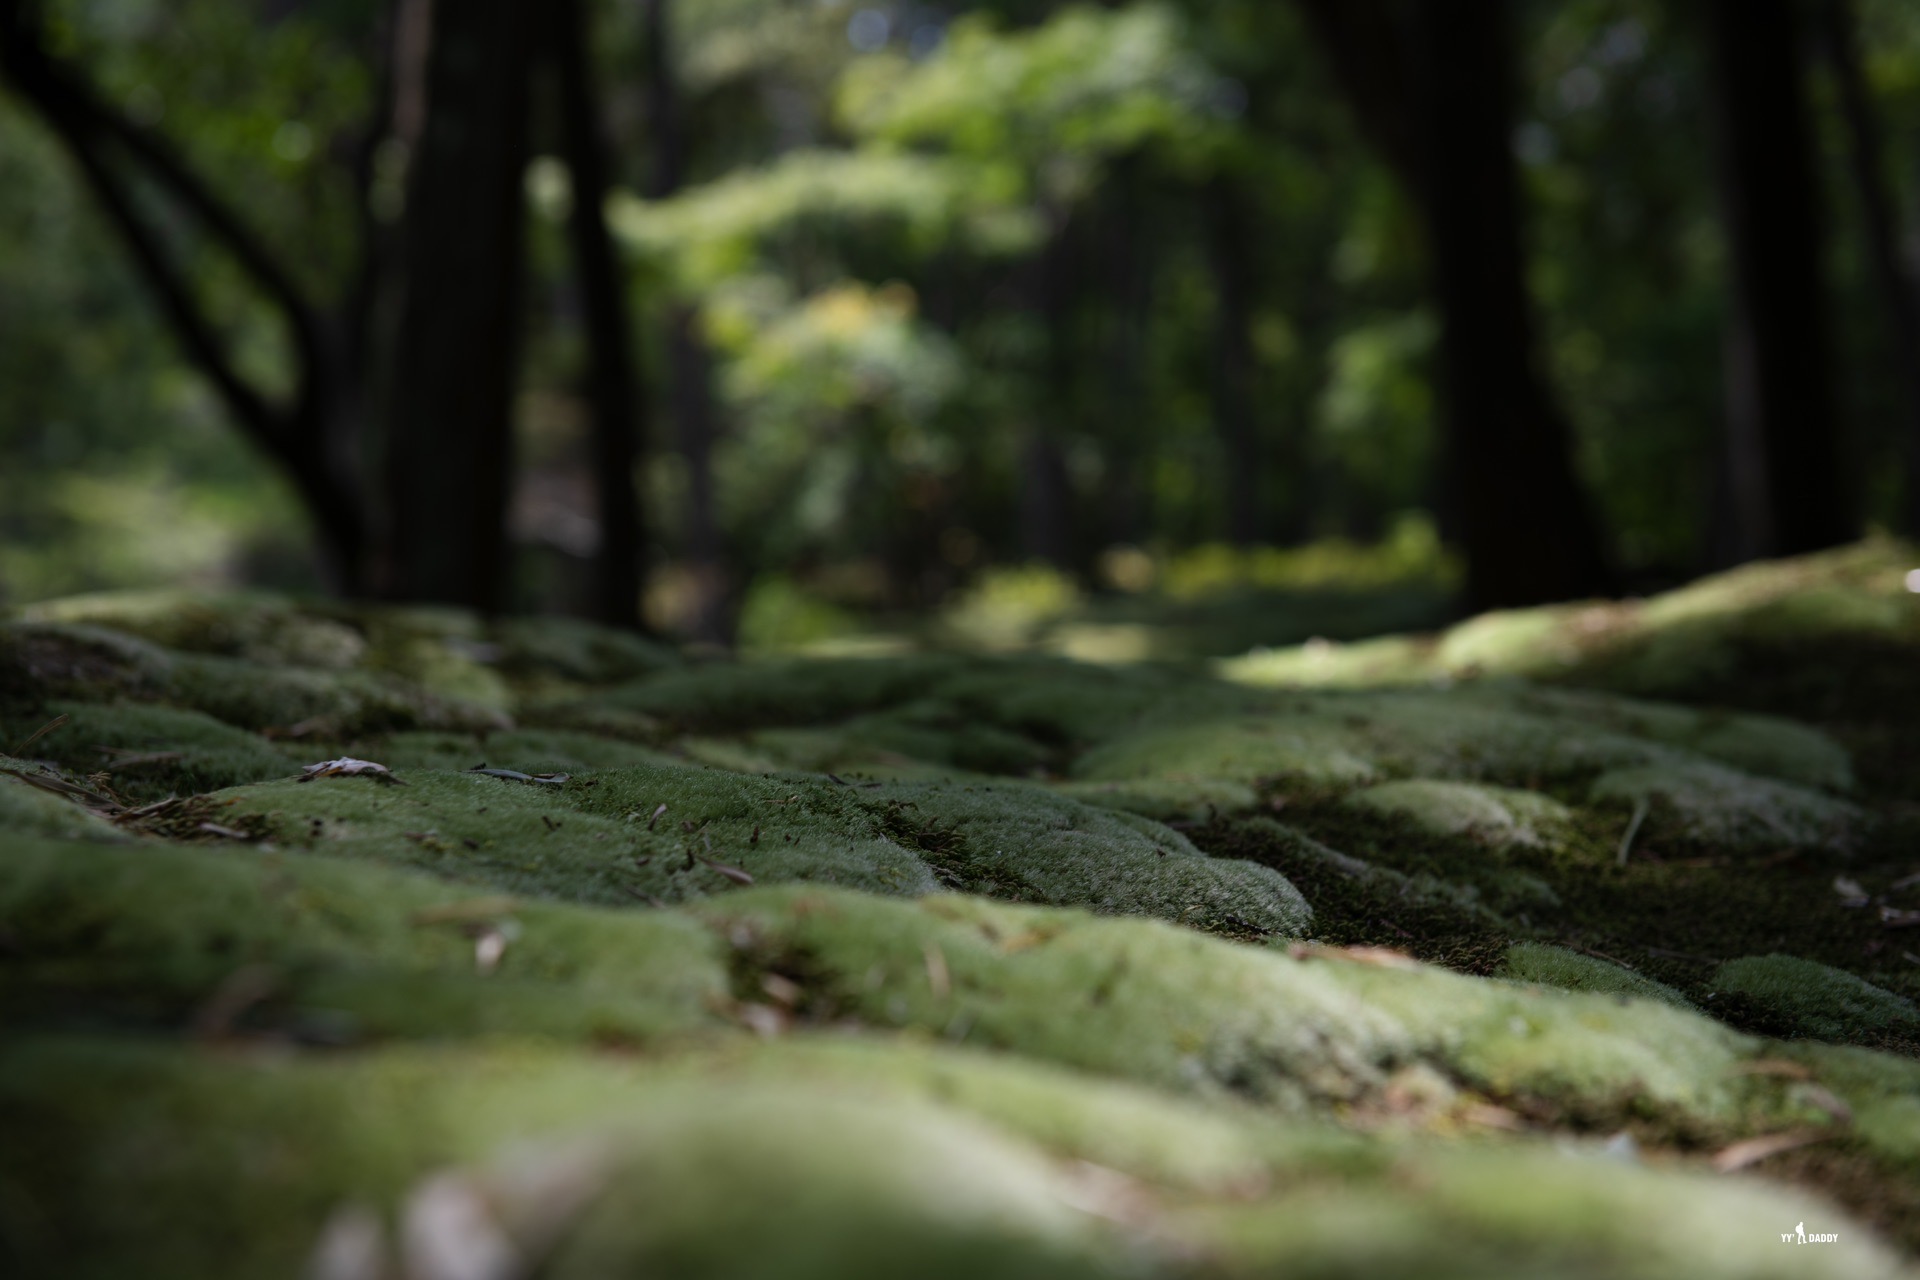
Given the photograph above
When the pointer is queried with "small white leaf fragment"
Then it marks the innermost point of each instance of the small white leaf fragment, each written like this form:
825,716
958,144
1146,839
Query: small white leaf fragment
488,947
348,767
352,1246
448,1233
1852,894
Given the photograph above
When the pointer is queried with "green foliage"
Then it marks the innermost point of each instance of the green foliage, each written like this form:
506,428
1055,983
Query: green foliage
1085,85
720,229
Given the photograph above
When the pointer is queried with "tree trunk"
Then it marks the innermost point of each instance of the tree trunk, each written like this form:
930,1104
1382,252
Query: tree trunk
1431,86
1046,497
1783,440
690,364
1899,293
1524,520
691,374
449,402
1233,361
612,384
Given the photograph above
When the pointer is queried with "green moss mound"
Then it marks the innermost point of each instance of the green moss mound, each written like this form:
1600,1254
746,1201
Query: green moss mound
808,1160
1834,632
1815,999
1559,967
327,951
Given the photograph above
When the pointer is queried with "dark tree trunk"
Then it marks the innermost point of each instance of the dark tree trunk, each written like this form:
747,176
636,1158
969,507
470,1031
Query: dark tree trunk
690,365
1046,497
109,149
692,385
1784,468
1432,88
1128,248
456,346
1233,360
612,383
1524,520
1899,293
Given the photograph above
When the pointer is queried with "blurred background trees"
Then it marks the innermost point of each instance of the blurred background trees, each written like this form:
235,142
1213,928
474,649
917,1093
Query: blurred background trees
787,319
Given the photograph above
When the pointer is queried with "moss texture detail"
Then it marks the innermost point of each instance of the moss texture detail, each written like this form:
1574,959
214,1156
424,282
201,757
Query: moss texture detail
963,965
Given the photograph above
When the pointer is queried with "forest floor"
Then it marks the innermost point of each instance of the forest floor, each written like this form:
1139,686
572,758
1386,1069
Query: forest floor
1579,941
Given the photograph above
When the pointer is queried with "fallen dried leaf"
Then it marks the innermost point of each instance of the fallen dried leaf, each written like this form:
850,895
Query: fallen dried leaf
1894,918
1772,1067
488,947
352,1246
1488,1116
938,978
1754,1150
734,874
448,1232
1851,892
764,1019
656,816
1379,957
348,767
782,991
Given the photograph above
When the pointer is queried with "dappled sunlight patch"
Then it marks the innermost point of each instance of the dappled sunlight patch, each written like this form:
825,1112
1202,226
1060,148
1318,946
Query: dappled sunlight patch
1493,815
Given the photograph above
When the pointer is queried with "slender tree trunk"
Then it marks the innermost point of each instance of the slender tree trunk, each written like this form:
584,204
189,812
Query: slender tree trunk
1233,360
612,382
1899,293
1784,442
690,364
1046,498
456,352
1128,248
693,416
1524,520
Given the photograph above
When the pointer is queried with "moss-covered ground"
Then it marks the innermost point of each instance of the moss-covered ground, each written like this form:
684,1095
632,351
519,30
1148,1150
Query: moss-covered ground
1574,942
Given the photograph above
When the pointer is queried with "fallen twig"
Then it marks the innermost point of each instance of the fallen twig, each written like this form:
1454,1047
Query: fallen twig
1640,808
41,732
514,775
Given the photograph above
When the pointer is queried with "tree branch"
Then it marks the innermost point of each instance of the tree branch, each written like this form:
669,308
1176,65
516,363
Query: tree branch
88,127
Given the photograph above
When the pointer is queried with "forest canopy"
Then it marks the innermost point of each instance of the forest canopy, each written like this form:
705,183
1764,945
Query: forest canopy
902,301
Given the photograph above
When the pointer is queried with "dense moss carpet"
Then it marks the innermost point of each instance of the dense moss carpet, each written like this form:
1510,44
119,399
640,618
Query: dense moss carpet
1579,941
